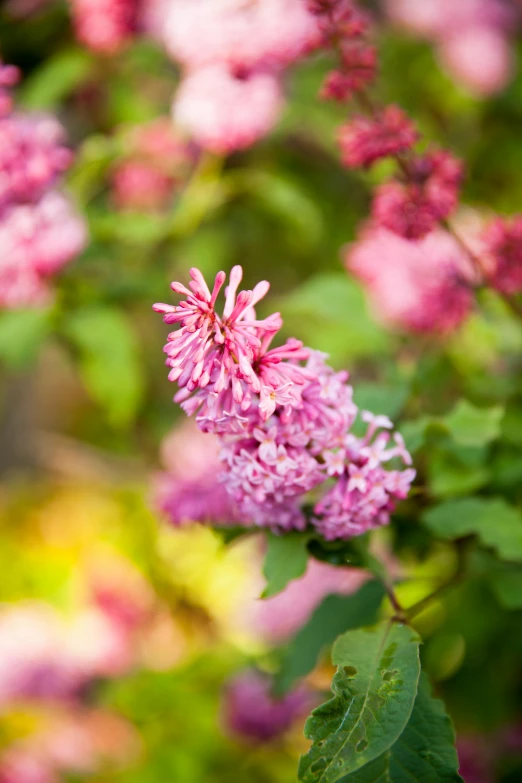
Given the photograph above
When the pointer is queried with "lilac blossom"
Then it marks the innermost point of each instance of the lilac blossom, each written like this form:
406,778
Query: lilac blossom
250,712
283,418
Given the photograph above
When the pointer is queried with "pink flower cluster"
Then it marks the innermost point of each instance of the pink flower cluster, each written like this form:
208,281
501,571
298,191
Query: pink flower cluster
232,53
423,286
471,36
157,161
283,416
252,713
39,229
105,26
502,243
343,28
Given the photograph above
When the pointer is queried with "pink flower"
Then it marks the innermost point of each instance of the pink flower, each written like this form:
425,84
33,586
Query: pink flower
216,354
422,286
104,26
357,70
223,112
472,37
191,491
479,58
364,140
32,157
139,185
280,617
36,240
281,424
502,241
264,34
366,493
413,207
251,713
20,765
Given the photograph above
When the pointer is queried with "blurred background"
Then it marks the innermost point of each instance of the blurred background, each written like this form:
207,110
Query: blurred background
127,644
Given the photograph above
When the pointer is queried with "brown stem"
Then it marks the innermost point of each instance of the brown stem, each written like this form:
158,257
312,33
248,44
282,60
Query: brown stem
460,572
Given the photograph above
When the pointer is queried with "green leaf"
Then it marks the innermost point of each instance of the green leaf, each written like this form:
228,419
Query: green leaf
425,751
109,360
497,524
286,558
59,76
471,426
21,335
506,583
375,687
383,399
336,614
330,312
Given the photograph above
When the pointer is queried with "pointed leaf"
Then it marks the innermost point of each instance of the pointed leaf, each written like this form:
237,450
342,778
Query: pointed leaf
497,524
374,690
286,558
425,751
336,614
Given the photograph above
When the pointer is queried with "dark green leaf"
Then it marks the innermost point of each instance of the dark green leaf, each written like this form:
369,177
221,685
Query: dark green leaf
497,524
374,690
335,615
109,360
285,559
506,583
425,751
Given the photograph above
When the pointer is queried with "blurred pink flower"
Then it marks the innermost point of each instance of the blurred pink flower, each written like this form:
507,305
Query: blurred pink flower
262,34
139,185
252,713
427,193
502,245
36,240
105,26
479,58
190,490
223,112
24,765
43,658
156,163
472,37
363,140
32,156
421,286
280,617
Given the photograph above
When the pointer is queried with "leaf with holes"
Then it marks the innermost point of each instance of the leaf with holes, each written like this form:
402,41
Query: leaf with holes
425,751
374,691
335,615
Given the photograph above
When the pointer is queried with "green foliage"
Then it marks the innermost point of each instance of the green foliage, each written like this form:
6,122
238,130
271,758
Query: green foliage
109,360
285,559
374,691
506,583
471,426
497,524
335,615
22,333
332,316
424,752
63,73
